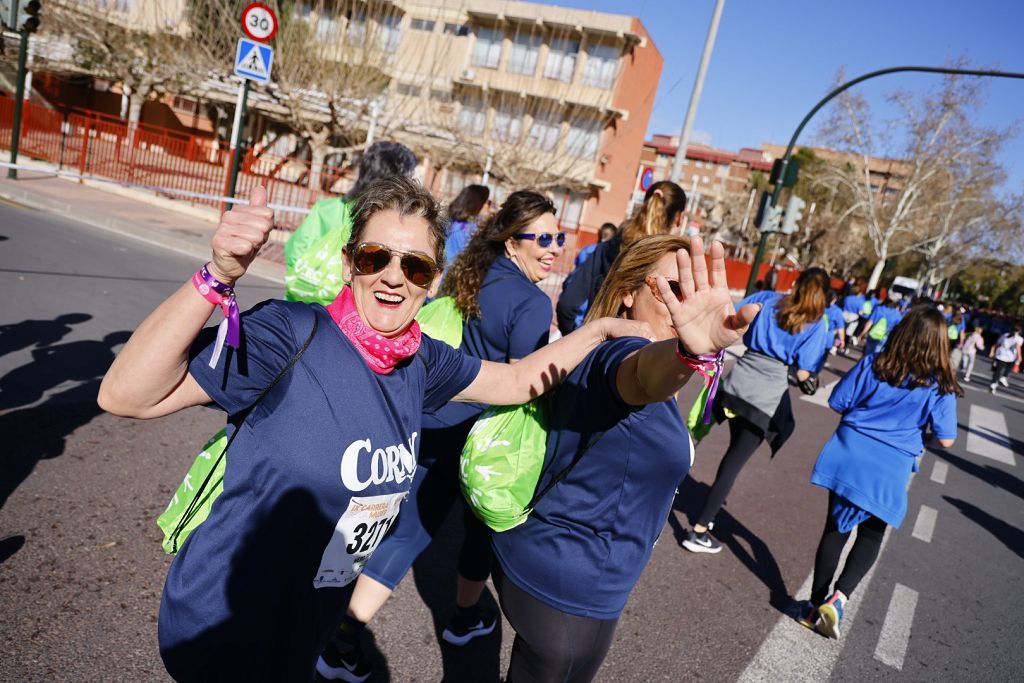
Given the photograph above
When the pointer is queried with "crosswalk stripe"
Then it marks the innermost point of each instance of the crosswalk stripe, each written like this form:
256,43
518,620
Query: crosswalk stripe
821,396
940,471
895,634
924,527
988,436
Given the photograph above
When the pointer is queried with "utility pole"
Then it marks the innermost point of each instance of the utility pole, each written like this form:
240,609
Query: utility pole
23,18
236,139
698,86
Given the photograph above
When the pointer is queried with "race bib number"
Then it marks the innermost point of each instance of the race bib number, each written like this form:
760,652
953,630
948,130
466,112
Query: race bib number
356,535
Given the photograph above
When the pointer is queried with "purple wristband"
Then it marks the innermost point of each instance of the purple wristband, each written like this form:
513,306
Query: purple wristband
228,305
709,366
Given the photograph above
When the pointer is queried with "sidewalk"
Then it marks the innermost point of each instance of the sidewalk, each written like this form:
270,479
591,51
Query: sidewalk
133,213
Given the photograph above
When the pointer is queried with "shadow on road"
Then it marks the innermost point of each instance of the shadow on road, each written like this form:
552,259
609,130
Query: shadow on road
1015,445
1009,535
737,538
17,336
39,432
988,474
9,546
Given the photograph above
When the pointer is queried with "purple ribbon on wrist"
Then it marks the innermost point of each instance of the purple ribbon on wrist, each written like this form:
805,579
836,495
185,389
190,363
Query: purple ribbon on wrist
231,328
710,368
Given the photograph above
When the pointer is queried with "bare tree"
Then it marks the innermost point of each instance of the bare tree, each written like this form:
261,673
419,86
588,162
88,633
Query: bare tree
894,171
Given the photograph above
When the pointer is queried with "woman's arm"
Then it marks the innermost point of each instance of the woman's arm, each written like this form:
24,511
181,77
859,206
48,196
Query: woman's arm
705,322
149,378
512,384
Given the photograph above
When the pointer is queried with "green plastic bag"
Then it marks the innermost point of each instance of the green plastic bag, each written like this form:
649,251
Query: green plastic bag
318,274
178,521
440,319
502,461
879,330
695,418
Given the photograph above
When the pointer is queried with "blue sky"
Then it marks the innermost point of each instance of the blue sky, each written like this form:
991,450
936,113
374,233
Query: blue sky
774,60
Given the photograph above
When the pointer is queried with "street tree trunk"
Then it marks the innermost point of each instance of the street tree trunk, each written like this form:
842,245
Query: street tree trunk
876,273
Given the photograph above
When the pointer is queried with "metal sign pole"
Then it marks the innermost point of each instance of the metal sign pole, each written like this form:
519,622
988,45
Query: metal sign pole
19,98
236,138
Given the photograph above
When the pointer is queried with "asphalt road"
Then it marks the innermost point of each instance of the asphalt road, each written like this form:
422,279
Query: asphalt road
81,568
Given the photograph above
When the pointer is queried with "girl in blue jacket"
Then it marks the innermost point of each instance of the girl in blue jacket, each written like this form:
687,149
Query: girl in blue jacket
888,401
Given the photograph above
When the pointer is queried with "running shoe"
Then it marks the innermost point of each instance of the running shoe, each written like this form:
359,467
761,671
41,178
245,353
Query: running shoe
807,616
342,662
701,543
992,388
830,615
1004,381
460,629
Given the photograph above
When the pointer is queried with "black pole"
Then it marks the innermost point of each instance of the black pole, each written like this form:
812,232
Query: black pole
236,152
759,256
19,96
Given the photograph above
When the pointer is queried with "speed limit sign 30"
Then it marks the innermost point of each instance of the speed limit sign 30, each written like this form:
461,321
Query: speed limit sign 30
259,22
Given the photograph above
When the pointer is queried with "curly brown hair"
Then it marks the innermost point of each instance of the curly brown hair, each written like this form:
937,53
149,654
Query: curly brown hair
467,274
807,302
917,353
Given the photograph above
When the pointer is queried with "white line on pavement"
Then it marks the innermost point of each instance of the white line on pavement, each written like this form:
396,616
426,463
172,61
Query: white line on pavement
822,395
895,635
987,435
999,397
791,652
940,471
924,527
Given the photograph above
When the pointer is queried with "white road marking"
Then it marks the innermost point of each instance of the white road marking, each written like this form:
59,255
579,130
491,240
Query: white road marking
987,435
924,527
1000,396
895,635
793,653
822,395
940,471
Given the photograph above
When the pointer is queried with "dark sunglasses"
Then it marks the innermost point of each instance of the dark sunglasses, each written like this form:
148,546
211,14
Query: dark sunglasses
543,239
677,290
370,258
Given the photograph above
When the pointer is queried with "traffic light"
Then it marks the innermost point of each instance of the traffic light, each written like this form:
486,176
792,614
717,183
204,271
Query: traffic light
794,212
786,175
20,15
770,219
28,16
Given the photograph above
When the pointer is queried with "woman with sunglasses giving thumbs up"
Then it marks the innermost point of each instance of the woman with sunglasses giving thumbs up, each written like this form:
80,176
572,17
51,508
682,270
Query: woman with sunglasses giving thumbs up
326,404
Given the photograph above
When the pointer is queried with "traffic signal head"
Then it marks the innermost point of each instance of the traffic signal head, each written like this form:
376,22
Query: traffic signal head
770,219
794,212
28,15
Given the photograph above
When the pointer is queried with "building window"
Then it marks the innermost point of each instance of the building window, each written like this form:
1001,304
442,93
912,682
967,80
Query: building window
456,29
561,64
487,49
186,105
421,25
441,95
408,89
522,59
356,26
584,137
507,125
544,131
389,33
570,208
472,117
601,66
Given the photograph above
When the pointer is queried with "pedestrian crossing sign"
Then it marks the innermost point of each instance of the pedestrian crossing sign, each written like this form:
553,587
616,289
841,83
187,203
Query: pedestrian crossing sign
253,60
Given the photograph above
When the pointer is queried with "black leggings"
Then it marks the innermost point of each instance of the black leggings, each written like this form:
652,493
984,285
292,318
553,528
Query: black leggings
550,645
1002,369
861,558
744,438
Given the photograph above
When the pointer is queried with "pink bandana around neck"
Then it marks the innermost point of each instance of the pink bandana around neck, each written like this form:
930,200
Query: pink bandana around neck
379,352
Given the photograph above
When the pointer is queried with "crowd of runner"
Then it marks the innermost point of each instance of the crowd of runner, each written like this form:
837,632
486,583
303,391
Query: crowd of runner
292,563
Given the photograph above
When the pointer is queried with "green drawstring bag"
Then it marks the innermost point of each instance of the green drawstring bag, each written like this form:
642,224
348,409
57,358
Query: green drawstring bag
695,418
318,274
440,319
191,503
502,461
204,481
879,330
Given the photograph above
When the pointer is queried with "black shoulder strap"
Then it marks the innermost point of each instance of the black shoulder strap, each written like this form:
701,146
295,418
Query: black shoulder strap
193,506
564,473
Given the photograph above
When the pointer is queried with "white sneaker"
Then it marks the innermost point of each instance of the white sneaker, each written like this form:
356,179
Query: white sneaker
1005,382
992,388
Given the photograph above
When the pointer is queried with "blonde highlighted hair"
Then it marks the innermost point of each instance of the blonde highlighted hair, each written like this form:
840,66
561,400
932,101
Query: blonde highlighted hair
632,266
663,202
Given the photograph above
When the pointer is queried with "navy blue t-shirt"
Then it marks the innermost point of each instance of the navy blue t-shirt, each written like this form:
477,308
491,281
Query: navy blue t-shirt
585,545
514,320
313,481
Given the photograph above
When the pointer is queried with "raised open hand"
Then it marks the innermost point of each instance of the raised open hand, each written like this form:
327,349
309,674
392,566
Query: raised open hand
240,234
705,320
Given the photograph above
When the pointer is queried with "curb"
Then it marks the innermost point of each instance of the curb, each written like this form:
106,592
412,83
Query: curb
264,268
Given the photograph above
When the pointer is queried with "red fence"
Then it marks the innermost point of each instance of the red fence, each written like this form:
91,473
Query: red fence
95,144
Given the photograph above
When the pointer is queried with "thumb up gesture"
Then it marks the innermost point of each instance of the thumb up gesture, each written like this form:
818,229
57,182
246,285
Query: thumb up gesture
239,236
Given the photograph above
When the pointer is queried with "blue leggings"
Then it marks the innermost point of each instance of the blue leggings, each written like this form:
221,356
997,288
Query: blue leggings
434,489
